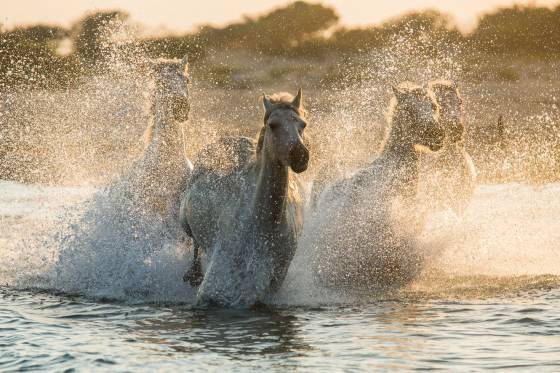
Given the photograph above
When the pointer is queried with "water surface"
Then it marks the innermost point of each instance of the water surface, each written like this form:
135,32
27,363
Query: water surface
490,302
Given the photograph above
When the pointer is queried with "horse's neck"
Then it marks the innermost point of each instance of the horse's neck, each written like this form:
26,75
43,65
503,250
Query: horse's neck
165,148
271,190
456,134
165,127
396,149
459,145
163,160
401,159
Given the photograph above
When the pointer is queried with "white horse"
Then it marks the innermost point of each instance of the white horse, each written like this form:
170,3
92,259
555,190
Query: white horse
363,229
160,175
125,221
243,208
448,177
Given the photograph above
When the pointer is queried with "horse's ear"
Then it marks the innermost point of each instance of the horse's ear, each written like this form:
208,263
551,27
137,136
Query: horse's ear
397,92
297,101
454,84
267,103
185,64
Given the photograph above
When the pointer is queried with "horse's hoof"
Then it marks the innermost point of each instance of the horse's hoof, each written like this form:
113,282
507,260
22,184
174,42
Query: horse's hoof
194,277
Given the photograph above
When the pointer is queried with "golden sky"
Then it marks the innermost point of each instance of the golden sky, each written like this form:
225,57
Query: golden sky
184,15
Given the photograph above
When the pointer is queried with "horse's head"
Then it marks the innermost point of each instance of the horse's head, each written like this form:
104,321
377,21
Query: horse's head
451,108
421,116
282,137
172,87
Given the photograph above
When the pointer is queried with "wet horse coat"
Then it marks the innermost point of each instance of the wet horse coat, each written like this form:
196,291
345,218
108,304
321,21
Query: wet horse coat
368,220
127,220
448,176
244,210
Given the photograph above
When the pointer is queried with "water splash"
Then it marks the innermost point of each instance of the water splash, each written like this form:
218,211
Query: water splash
497,248
90,134
506,242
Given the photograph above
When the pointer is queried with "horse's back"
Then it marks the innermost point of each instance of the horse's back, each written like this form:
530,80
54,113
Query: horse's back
370,183
216,183
220,168
224,156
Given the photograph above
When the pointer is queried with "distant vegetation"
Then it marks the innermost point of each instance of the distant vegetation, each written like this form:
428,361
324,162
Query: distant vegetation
502,64
45,56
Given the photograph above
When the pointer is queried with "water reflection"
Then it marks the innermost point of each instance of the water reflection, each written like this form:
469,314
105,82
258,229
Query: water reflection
386,335
236,334
398,329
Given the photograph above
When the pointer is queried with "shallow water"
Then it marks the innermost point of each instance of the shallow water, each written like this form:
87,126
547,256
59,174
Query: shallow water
54,332
490,300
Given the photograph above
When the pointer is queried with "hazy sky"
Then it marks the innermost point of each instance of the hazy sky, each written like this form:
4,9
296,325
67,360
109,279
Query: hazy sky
184,15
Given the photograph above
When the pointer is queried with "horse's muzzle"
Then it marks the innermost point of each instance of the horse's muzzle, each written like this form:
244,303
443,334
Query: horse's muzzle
298,158
181,109
455,132
436,140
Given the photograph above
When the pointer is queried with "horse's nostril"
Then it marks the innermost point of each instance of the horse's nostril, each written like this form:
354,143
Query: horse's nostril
299,158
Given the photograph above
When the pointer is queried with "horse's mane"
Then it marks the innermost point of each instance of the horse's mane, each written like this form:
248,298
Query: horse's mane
281,100
443,85
164,62
408,88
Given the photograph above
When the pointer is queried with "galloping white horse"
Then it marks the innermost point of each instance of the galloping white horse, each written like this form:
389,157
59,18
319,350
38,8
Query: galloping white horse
448,176
244,210
367,221
126,220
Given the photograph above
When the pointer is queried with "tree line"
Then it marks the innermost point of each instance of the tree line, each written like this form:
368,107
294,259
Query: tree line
35,56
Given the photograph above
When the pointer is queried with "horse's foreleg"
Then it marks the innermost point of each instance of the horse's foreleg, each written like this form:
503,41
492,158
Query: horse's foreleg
194,275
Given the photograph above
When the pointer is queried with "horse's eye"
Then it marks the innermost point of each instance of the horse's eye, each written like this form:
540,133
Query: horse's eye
273,125
303,125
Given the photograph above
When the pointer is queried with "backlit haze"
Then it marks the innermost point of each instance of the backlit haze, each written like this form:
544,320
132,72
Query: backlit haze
184,15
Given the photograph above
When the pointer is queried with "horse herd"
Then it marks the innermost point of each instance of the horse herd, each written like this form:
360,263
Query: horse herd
242,200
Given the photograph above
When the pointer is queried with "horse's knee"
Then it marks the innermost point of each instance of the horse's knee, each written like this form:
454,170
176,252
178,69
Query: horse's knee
194,275
184,221
187,229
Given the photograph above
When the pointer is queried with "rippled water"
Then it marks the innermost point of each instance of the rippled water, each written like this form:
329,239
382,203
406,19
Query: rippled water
491,301
55,332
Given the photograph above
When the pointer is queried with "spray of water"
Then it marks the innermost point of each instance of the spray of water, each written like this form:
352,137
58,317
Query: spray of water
89,135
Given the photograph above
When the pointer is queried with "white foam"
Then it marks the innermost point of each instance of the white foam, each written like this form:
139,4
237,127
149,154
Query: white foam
508,230
88,245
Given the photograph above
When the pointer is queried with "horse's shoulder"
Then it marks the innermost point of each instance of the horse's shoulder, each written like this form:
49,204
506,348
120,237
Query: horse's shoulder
361,178
335,193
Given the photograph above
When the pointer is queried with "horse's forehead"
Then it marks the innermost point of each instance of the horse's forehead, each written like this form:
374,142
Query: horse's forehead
172,79
421,98
450,94
284,113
